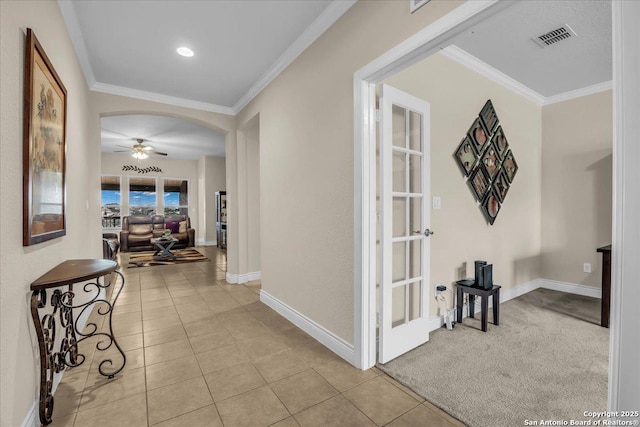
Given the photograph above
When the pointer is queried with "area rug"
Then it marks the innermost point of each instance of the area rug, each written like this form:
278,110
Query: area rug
145,259
547,360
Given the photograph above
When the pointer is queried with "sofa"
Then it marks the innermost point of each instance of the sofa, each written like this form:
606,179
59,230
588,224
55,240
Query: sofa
138,230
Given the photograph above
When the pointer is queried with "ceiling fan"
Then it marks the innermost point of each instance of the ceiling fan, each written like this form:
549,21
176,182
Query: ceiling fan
139,150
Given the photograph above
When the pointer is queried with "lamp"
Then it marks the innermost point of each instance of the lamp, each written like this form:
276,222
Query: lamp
140,155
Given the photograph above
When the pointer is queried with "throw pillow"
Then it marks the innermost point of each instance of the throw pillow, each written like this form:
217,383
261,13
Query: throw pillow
174,226
183,227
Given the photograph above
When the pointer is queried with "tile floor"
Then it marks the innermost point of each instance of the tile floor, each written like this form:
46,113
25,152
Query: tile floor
201,352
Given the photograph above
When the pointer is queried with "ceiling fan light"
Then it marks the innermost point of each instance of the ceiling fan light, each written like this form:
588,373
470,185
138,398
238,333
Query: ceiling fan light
185,51
140,155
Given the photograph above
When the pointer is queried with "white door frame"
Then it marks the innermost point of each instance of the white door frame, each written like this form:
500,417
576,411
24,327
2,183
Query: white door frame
412,50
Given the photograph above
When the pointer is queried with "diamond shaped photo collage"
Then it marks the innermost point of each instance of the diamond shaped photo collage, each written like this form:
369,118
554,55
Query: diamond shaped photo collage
485,158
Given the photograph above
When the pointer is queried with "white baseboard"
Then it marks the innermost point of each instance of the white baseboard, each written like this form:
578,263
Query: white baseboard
32,419
323,335
571,288
202,242
243,278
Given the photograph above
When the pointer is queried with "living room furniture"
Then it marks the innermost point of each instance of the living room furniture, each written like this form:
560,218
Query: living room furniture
221,219
163,248
58,354
474,291
110,246
606,285
138,230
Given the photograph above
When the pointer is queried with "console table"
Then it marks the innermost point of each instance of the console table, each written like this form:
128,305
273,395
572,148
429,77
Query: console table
606,285
474,291
56,359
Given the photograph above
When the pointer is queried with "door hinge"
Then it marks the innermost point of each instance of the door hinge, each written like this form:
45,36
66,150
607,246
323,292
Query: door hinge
378,115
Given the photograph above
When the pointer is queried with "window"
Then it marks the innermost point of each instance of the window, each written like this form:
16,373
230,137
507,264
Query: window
176,197
142,196
111,201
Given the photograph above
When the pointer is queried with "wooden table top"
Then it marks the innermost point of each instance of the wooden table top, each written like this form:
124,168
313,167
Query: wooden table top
74,271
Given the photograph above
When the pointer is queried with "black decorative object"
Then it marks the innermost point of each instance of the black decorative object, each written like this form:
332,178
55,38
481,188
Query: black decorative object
135,168
490,167
478,272
487,276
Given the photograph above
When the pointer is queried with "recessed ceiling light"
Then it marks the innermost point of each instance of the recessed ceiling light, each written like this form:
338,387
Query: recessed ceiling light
185,51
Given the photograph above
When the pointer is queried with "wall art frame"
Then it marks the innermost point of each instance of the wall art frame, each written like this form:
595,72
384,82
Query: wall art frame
44,147
492,167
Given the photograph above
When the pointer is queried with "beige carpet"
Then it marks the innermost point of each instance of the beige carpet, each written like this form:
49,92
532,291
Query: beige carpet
547,360
146,259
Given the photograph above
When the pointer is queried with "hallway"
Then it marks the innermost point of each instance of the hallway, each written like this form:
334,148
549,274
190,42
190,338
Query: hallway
201,352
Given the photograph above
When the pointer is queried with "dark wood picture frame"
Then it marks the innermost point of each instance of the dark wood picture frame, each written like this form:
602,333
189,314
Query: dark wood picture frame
500,142
491,161
479,182
479,135
510,166
491,206
44,147
501,186
489,118
466,156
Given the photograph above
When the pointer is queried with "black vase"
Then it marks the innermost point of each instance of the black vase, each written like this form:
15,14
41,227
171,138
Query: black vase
487,276
478,278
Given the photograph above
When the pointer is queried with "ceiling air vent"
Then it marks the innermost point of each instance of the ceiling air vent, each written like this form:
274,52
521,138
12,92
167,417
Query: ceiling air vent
554,36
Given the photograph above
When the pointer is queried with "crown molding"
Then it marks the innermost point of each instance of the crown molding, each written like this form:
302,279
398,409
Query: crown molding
73,27
463,57
164,99
327,18
578,93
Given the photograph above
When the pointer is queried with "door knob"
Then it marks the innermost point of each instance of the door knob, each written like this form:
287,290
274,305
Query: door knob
427,232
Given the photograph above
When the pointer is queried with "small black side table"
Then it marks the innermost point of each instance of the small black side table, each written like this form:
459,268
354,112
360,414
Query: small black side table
474,291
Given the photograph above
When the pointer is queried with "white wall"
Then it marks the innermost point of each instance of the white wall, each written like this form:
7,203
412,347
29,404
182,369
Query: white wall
253,199
512,244
576,187
20,266
306,161
214,179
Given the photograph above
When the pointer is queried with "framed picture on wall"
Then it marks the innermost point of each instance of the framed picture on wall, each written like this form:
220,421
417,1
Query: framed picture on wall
479,182
45,111
466,156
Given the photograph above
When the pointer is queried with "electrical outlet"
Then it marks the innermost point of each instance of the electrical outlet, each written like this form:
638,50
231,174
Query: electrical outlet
586,267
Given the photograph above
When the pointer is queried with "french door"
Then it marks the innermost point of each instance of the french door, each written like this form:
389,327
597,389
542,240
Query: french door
405,215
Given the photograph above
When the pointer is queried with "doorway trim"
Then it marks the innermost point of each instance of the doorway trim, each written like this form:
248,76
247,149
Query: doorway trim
408,52
417,47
